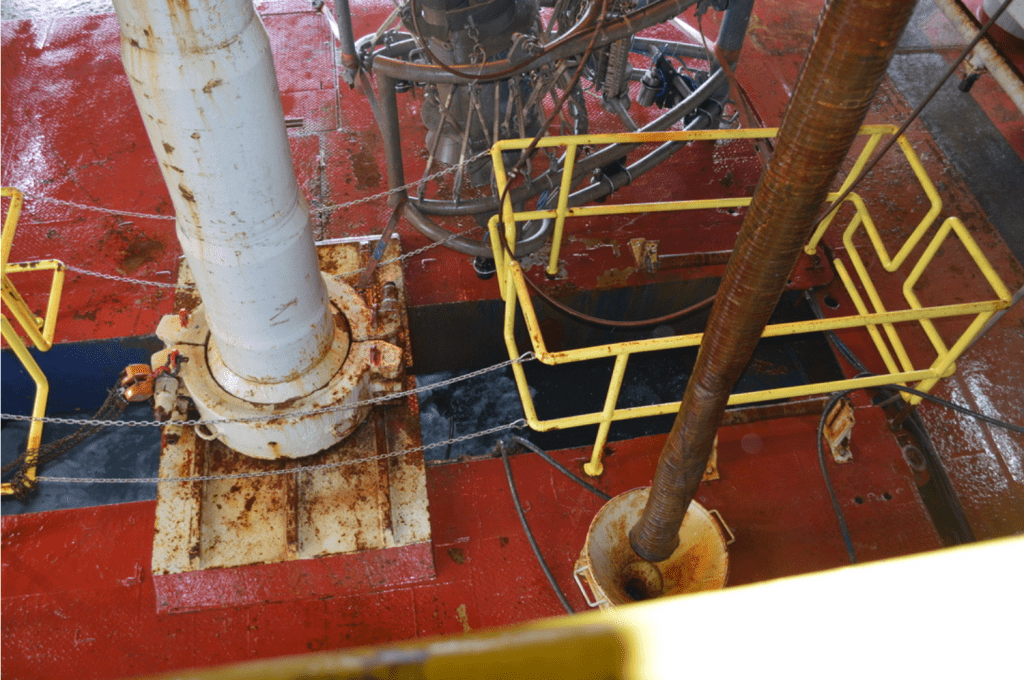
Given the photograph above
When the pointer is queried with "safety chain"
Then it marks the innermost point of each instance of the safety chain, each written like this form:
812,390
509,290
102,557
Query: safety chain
321,211
125,279
418,251
98,208
528,356
517,424
404,187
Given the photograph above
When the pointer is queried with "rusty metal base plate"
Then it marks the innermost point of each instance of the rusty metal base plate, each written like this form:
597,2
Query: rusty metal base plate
355,525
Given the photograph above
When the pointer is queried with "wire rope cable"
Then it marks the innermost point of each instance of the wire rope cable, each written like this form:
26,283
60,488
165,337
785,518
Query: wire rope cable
530,446
529,534
516,424
527,356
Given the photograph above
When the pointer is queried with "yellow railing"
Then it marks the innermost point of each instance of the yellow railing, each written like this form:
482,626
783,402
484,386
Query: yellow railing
39,330
871,313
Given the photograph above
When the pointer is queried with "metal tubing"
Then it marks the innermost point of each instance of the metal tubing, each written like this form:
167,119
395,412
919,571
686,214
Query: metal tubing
836,86
1001,68
349,57
734,29
204,81
535,234
392,136
616,29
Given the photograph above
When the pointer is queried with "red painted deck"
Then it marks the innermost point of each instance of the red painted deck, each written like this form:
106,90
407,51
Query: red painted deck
71,602
78,598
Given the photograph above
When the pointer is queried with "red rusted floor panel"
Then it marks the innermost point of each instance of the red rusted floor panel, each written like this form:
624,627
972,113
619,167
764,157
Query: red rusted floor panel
78,598
72,601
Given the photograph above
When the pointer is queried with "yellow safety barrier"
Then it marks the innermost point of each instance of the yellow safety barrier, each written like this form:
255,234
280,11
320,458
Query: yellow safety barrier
871,314
39,330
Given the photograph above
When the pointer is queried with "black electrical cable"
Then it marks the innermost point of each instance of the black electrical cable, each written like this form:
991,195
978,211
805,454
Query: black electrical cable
836,341
834,399
958,408
914,425
529,534
914,114
828,478
859,366
558,466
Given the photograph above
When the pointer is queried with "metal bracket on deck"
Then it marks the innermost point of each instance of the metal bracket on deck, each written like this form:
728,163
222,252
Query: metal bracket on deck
839,430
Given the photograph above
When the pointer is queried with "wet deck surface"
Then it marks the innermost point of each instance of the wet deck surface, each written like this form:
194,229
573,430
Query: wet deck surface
78,595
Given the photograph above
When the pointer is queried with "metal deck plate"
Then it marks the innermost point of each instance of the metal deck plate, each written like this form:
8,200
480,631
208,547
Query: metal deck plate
367,518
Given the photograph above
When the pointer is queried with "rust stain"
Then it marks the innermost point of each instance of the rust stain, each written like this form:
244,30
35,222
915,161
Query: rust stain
364,166
208,88
168,148
458,555
140,250
460,614
280,311
186,194
607,241
615,278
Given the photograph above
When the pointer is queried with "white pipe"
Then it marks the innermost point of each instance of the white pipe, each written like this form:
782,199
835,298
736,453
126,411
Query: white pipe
995,63
204,80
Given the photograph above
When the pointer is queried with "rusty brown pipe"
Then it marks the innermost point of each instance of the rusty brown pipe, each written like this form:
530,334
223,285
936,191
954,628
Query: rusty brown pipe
852,47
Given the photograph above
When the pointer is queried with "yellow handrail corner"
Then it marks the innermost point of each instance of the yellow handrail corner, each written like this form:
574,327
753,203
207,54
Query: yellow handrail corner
40,331
872,312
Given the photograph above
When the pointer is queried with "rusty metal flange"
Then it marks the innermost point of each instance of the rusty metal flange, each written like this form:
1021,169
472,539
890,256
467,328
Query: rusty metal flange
367,366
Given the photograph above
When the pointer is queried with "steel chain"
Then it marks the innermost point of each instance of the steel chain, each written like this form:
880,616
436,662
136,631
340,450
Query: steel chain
323,210
418,251
516,424
97,208
125,279
528,356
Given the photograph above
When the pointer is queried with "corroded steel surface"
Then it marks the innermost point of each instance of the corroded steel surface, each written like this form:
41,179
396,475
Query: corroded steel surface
377,504
78,593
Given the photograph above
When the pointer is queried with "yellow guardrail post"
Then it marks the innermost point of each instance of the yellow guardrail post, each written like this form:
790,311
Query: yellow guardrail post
563,206
595,467
39,331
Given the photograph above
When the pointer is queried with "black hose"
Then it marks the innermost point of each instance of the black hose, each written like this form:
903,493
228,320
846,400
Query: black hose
558,466
915,427
529,534
901,388
958,408
828,479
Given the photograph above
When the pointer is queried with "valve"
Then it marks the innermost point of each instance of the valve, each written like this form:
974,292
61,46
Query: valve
651,86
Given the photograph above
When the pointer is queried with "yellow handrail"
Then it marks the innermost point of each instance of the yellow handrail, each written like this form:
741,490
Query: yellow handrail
872,313
39,331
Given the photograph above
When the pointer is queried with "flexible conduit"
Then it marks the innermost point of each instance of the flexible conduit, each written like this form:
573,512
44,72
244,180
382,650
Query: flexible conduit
852,47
